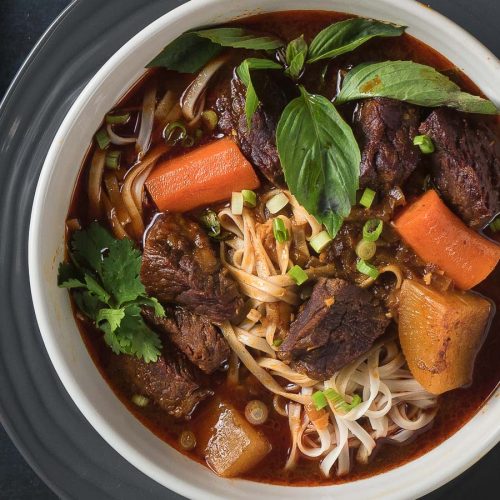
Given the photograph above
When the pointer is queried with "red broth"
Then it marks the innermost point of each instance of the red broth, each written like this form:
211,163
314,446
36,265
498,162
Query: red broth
456,407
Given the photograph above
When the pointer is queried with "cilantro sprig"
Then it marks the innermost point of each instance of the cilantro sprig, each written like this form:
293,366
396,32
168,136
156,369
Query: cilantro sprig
103,275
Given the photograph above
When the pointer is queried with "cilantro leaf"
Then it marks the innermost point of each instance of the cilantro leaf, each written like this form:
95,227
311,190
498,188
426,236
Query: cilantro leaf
120,272
104,276
144,342
159,310
112,316
97,290
87,303
69,276
88,246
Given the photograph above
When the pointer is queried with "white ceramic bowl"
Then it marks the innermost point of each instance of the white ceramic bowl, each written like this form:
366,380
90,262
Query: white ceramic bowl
46,248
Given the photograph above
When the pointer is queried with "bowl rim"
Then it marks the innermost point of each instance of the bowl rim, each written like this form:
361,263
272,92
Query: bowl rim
487,416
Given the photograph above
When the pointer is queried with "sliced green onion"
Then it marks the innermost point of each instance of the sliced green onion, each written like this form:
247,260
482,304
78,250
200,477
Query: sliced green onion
139,400
188,141
424,142
211,222
198,134
117,118
113,159
365,268
298,275
280,231
237,203
277,342
367,197
320,241
339,402
210,119
249,198
277,203
102,139
334,397
495,225
356,401
372,229
187,440
365,250
256,412
319,400
174,132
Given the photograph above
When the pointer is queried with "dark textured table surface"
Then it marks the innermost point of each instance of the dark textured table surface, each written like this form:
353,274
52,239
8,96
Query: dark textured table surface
22,22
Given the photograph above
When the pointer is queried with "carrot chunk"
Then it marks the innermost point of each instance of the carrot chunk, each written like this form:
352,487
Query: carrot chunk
203,176
438,236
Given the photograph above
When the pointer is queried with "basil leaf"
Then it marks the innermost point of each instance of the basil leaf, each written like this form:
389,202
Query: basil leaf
347,35
320,158
296,52
186,54
243,71
240,38
408,81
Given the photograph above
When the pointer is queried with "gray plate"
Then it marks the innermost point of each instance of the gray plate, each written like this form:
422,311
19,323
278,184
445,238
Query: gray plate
38,414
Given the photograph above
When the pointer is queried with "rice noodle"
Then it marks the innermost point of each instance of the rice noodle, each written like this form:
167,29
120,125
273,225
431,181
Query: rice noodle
247,359
147,120
282,370
283,249
118,140
115,197
115,224
165,107
393,404
94,184
137,188
136,223
294,411
195,92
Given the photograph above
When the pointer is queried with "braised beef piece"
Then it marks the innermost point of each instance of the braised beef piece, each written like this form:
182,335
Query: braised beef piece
466,165
259,143
385,129
338,323
171,382
180,265
193,334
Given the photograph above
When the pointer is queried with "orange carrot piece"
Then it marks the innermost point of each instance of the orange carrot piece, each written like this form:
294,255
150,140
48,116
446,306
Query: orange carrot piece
438,236
203,176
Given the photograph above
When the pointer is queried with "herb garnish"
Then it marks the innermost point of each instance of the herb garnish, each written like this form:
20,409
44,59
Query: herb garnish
320,158
251,100
103,274
345,36
296,52
412,82
192,50
317,148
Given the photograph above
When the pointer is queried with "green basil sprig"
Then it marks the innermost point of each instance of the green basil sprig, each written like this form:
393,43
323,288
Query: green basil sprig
345,36
320,158
192,50
251,100
240,38
412,82
296,52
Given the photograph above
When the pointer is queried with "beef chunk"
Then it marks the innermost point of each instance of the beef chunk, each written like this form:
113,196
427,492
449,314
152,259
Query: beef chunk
338,323
385,130
259,143
466,165
170,382
193,334
180,265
